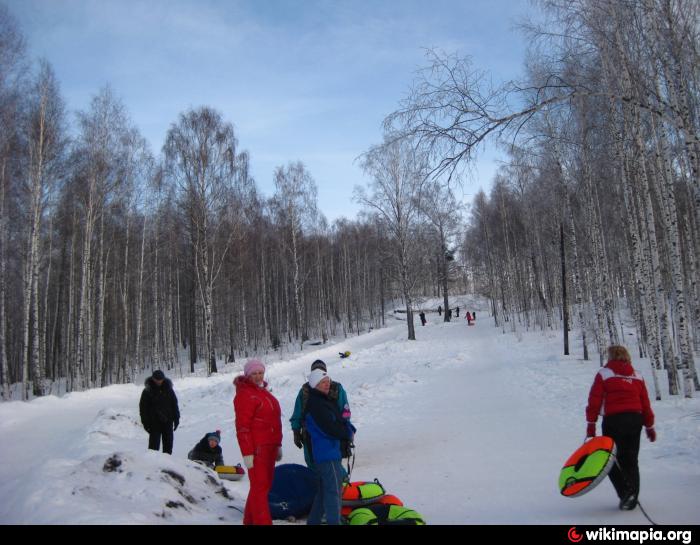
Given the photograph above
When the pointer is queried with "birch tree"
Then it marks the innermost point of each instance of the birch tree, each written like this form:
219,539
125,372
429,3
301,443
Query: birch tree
45,144
12,69
99,154
200,153
398,177
442,210
294,203
593,62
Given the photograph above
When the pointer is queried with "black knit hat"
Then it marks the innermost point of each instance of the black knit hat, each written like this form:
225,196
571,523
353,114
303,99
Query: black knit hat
158,375
319,364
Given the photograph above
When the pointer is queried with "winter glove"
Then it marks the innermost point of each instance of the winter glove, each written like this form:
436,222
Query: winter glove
346,448
279,454
177,423
298,441
590,430
651,434
248,461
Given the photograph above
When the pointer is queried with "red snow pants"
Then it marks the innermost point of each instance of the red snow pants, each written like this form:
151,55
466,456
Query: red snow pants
257,508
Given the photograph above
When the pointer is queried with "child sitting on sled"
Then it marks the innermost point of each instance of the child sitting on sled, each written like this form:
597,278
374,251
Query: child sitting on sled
208,450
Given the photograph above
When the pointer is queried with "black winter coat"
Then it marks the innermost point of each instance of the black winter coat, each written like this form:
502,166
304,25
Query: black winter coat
158,405
326,414
327,433
202,452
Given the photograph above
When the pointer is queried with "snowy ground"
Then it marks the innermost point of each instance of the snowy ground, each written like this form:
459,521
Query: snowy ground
465,425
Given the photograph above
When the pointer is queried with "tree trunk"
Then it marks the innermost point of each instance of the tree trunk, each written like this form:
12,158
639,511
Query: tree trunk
298,300
137,365
101,295
670,358
648,306
565,301
687,366
4,367
406,288
123,374
84,328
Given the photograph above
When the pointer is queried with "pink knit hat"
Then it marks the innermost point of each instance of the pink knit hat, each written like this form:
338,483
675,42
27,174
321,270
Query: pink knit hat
252,366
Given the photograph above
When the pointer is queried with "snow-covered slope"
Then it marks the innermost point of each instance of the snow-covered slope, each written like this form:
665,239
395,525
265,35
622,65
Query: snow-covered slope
465,425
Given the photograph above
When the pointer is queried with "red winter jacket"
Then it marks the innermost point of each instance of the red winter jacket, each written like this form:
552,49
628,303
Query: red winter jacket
258,416
618,388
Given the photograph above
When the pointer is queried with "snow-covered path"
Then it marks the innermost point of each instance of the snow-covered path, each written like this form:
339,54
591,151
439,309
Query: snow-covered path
492,419
465,425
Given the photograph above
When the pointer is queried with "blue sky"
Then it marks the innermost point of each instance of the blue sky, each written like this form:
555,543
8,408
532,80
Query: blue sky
307,80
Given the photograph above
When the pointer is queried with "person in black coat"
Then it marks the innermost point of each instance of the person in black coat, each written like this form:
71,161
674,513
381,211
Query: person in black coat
422,318
160,414
208,450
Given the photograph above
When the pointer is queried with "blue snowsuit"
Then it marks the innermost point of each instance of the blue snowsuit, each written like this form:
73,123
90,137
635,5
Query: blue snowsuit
337,393
325,428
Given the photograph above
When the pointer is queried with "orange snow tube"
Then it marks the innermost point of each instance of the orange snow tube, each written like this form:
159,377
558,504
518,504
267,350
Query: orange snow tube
362,493
586,467
384,500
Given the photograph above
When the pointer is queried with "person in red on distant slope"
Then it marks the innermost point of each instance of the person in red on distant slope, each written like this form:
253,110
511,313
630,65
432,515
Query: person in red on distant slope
259,432
620,395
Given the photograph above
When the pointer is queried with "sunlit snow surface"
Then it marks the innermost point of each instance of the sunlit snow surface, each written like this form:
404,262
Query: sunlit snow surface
465,425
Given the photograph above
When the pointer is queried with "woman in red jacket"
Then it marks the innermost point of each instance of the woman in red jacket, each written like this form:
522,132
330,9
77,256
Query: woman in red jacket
259,432
620,395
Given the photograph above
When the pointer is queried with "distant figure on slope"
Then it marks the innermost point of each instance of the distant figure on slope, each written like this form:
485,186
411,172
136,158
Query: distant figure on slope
259,432
160,414
326,428
439,310
622,395
457,312
449,314
208,450
469,318
336,393
422,318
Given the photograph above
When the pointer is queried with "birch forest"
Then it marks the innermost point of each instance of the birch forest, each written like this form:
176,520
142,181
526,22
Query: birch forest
116,259
596,212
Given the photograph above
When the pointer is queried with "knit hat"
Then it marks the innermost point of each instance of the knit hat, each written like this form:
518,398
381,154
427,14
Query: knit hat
216,436
158,375
252,366
316,376
319,364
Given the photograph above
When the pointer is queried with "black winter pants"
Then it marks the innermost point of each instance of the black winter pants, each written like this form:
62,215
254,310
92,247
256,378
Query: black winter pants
626,430
166,432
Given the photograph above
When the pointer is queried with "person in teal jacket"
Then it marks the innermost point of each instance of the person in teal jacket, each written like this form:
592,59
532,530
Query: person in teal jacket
326,429
336,393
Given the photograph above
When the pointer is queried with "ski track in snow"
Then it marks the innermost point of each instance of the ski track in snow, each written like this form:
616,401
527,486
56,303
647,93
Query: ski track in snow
465,425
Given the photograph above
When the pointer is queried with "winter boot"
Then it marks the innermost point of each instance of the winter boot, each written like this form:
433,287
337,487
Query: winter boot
629,502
